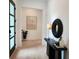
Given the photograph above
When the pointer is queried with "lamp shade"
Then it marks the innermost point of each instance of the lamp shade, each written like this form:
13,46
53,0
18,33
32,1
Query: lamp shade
49,26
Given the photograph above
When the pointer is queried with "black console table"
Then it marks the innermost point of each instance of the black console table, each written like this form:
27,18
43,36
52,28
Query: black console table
54,51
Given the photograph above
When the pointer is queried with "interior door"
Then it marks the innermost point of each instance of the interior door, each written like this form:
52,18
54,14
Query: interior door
12,32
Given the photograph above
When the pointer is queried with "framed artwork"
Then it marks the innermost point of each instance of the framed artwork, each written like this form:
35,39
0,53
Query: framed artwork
31,22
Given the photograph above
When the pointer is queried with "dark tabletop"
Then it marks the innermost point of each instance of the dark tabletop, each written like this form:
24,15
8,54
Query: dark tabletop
52,42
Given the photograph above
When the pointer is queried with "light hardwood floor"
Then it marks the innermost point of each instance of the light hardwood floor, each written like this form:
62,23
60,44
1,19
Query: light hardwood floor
31,43
31,49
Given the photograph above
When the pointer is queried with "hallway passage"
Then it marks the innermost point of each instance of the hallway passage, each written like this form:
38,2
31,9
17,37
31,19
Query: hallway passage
31,49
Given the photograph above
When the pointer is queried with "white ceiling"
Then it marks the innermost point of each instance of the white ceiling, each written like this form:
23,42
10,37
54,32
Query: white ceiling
38,0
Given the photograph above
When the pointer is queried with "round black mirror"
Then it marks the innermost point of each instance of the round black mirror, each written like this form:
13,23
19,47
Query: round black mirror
57,28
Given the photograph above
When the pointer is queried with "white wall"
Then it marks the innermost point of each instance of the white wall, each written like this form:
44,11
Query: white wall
18,34
36,33
60,9
18,24
37,4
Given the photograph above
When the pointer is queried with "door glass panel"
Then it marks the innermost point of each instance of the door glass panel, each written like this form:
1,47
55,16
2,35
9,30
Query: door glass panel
11,20
11,9
11,43
12,31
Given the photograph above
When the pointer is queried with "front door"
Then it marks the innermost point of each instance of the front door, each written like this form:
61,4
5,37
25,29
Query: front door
11,27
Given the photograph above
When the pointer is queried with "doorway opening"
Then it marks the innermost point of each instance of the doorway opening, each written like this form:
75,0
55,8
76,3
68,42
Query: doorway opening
32,22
